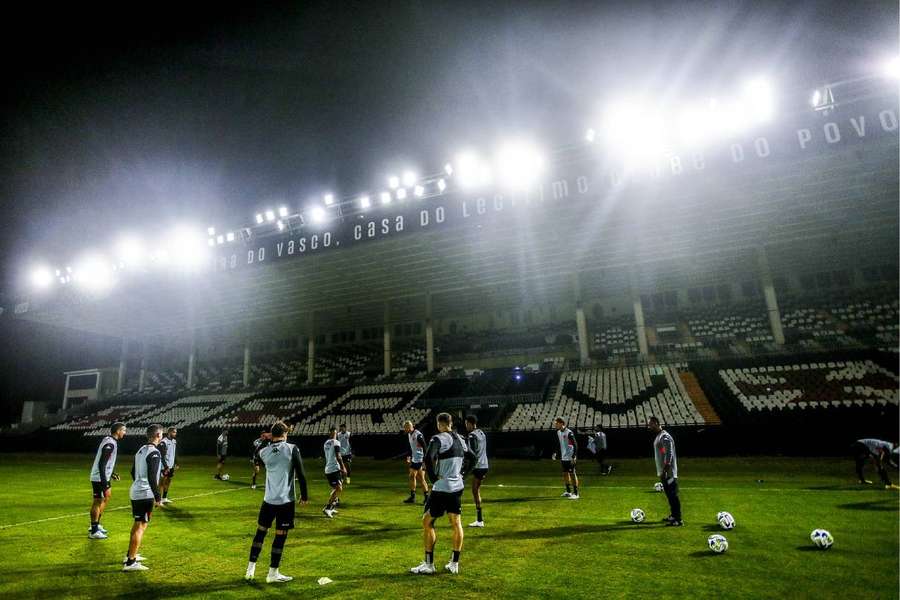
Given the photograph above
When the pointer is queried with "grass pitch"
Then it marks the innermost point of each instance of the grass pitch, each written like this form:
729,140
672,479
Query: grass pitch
536,544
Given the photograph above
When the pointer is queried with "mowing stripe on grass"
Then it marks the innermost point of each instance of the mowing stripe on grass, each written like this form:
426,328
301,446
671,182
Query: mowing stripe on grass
87,514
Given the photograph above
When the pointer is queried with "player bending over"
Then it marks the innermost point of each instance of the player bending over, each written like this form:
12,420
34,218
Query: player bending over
334,470
346,452
264,439
103,472
283,465
478,445
447,460
880,452
144,494
414,460
568,456
169,464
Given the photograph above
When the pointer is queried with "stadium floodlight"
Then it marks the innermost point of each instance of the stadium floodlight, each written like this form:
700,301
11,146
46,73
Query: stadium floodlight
365,202
69,270
519,164
270,215
633,130
259,218
441,184
210,231
93,274
385,197
229,236
62,280
329,199
393,182
448,169
283,212
220,239
590,135
409,178
41,278
758,100
185,247
419,191
401,194
129,250
891,68
317,214
211,242
471,171
822,99
58,273
280,225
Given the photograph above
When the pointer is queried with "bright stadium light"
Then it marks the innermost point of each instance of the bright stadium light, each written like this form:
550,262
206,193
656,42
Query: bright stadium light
259,218
129,250
365,202
41,278
93,274
229,236
329,199
471,171
220,239
280,225
270,215
419,191
590,135
385,197
633,130
409,178
211,242
210,231
393,182
758,100
519,164
283,212
448,169
186,248
441,184
317,214
401,194
891,68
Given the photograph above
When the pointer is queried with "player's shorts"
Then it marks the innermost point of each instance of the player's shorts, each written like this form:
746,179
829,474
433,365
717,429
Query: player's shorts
347,458
282,514
334,478
479,474
98,489
444,502
142,509
415,466
568,466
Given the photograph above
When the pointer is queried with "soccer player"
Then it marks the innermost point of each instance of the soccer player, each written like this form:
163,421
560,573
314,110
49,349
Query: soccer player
169,465
334,471
283,465
414,460
264,439
666,469
568,456
346,452
144,494
598,442
447,460
880,452
221,452
103,472
478,445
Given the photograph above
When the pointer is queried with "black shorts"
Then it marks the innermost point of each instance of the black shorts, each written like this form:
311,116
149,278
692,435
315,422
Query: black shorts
347,458
282,514
334,478
568,466
99,488
415,466
444,502
479,474
142,509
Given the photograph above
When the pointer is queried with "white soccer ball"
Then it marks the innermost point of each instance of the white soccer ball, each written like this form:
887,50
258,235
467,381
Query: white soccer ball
822,539
717,543
726,521
226,477
637,515
658,486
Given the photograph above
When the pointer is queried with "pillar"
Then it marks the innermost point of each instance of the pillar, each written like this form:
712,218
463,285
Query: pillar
387,339
581,323
771,300
311,349
640,328
142,377
246,364
192,363
123,364
429,334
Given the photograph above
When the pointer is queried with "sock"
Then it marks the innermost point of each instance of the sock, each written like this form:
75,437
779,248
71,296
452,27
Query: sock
576,490
256,548
478,510
568,488
412,493
252,480
95,526
429,557
455,556
277,548
166,494
329,506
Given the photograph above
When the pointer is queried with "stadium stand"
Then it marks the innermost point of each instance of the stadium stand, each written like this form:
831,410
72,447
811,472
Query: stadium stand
260,412
98,422
369,409
190,410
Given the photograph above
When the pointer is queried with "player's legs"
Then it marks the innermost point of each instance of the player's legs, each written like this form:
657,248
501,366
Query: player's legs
412,476
421,475
253,477
336,488
220,466
137,536
883,473
574,479
345,477
429,536
476,495
671,490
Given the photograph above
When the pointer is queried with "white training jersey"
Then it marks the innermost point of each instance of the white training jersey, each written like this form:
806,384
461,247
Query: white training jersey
566,444
344,439
451,454
478,445
170,446
146,473
332,448
107,444
663,452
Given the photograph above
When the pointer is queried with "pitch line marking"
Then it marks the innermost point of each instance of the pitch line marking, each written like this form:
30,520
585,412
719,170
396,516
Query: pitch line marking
87,514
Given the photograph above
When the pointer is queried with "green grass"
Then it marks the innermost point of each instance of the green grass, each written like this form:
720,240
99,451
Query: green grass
535,543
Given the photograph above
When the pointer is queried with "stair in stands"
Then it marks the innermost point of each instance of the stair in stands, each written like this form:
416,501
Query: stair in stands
695,393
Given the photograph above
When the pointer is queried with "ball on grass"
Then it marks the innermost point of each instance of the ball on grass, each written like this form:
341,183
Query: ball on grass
717,543
822,539
637,515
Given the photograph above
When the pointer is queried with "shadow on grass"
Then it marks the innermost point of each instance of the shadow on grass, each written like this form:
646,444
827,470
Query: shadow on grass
886,504
840,488
489,500
811,548
561,532
705,554
175,513
712,528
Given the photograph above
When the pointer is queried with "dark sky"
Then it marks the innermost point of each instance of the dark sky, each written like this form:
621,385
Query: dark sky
133,118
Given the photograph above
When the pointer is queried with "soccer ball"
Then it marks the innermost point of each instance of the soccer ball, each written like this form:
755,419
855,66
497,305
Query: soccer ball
226,477
637,515
658,486
822,539
726,521
717,543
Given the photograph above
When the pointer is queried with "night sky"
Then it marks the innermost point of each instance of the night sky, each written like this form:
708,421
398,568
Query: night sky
132,119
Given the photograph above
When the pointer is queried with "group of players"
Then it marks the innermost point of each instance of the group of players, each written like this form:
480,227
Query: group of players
446,460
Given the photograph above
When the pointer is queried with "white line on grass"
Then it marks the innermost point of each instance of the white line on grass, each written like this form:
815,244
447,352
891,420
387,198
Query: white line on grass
638,487
87,514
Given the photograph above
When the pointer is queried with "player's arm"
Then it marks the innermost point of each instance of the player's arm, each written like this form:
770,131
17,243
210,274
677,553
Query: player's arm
297,462
431,458
666,451
153,461
105,455
574,443
469,456
162,456
340,461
